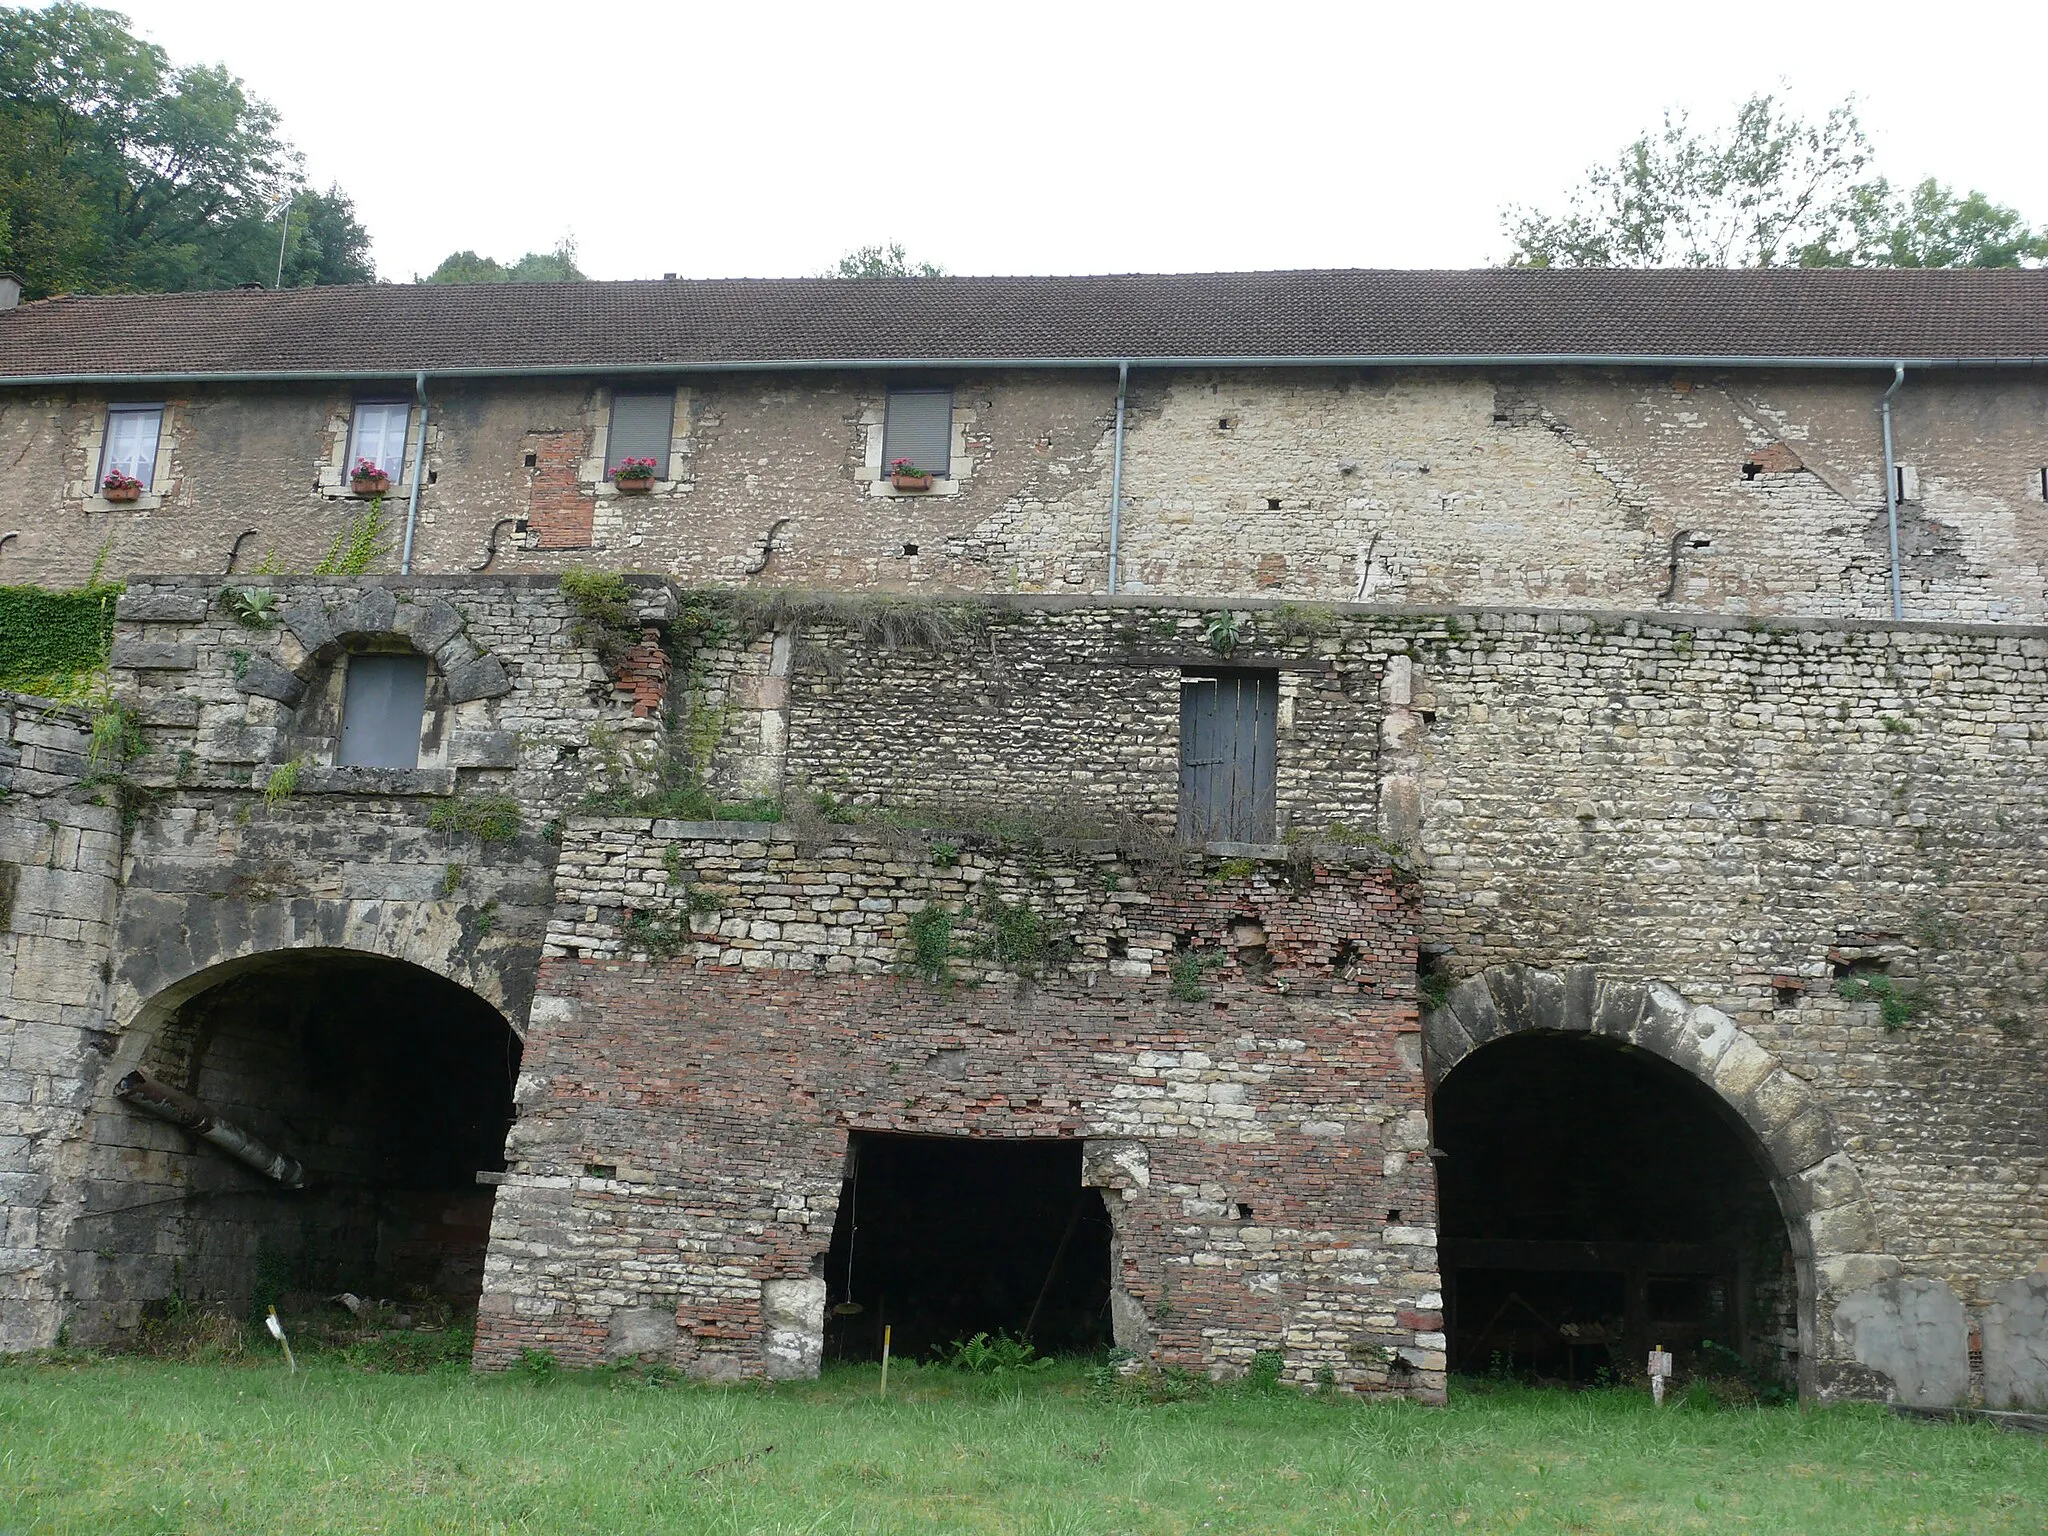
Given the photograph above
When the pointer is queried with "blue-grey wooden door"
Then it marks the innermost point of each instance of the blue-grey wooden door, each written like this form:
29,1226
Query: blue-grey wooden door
1228,728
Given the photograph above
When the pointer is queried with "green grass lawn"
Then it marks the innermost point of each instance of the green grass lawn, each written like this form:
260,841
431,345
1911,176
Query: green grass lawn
134,1445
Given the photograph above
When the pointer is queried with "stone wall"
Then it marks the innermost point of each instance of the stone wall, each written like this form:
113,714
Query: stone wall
1750,491
722,1005
59,867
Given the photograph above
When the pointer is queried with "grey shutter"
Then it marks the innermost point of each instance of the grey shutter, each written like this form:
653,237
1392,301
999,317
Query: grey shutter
641,426
919,427
381,709
1229,727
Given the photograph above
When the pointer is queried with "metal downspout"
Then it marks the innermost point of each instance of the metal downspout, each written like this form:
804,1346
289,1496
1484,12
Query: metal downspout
419,474
1891,485
1116,474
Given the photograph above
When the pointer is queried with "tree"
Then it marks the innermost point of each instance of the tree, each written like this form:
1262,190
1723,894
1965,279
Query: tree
119,172
1772,190
889,260
556,266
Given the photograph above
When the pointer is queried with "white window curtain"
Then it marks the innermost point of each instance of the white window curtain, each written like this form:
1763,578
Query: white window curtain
380,436
132,433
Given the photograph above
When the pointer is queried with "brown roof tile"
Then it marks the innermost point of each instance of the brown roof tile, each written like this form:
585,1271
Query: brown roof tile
1499,312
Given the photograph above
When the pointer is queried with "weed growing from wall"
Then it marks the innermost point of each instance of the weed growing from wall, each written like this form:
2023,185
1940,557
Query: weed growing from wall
603,607
250,607
282,784
1896,1007
658,937
928,941
487,818
1018,937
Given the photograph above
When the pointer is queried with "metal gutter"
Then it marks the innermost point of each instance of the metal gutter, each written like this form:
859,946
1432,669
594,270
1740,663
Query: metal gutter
880,364
1116,475
1891,485
419,473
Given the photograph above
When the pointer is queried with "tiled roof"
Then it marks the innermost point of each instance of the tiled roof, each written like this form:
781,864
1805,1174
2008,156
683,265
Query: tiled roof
1984,316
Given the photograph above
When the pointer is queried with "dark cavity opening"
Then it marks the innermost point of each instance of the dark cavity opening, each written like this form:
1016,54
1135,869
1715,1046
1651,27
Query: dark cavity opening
940,1238
391,1084
1598,1201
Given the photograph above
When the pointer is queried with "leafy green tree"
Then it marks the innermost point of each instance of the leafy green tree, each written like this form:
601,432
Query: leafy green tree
556,266
889,260
1773,189
118,171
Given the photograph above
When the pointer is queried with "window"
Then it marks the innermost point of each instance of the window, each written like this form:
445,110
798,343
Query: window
1228,725
918,426
132,433
379,436
641,426
380,712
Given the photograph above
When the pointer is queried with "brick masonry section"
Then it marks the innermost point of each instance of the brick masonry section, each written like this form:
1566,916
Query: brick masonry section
719,1083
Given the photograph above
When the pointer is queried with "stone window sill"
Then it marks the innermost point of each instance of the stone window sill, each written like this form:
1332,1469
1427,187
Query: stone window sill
353,780
940,487
606,491
347,492
148,502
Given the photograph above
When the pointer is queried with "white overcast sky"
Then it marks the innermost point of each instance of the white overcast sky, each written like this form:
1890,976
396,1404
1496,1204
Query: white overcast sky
749,138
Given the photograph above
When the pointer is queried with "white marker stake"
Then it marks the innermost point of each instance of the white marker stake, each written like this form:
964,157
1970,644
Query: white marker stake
277,1332
1660,1372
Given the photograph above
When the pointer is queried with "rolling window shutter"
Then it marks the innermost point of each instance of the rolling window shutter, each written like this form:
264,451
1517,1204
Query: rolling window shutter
641,426
380,711
131,442
919,427
380,436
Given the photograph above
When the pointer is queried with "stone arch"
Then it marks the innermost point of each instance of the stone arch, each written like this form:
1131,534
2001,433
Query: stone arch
1819,1190
312,636
388,1081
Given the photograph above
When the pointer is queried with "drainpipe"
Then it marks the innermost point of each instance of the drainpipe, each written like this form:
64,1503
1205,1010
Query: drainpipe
1116,473
419,474
1891,485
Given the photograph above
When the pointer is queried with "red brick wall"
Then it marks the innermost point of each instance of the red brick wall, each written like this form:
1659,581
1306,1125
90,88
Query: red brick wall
723,1097
559,511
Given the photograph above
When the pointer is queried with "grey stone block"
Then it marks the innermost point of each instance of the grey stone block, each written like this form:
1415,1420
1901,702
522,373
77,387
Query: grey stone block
483,749
158,707
161,607
429,625
354,780
483,678
1916,1333
638,1332
135,655
267,680
375,612
236,741
2016,1345
309,621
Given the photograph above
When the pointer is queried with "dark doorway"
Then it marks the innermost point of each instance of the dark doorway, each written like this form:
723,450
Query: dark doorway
1597,1201
392,1085
940,1238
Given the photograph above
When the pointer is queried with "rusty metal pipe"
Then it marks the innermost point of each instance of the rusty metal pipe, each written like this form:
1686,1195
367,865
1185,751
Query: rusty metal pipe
204,1121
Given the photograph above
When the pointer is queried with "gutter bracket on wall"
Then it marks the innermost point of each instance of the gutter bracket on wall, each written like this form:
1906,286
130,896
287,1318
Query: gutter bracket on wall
419,474
1891,486
1116,474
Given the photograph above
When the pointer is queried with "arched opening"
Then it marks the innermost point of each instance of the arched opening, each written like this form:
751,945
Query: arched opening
940,1238
1597,1201
390,1085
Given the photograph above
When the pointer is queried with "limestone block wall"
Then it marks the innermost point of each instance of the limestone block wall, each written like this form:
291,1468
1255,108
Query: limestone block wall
1761,815
59,868
722,1005
1733,491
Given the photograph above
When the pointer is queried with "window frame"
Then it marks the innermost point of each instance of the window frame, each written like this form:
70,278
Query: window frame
664,455
350,672
942,470
352,443
129,408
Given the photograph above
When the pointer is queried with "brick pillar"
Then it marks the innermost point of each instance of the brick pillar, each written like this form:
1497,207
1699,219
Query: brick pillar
641,676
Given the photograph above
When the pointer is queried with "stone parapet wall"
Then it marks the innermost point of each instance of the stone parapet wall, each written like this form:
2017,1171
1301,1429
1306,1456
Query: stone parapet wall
1253,1117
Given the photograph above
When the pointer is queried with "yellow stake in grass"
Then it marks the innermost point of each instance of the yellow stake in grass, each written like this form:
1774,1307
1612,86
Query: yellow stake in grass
277,1332
885,1359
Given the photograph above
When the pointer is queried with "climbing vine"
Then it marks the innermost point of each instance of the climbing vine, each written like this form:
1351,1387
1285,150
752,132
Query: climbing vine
55,644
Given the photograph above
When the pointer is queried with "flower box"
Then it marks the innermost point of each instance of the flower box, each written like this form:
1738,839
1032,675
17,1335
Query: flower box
906,476
120,487
634,477
366,479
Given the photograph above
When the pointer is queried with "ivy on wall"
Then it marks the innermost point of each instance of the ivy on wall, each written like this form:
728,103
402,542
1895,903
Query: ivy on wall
54,644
